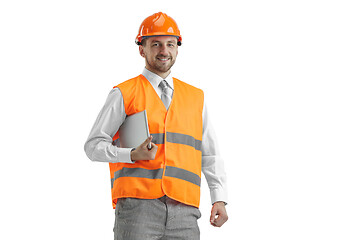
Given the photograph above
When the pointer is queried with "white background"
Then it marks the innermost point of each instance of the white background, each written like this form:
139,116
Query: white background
282,85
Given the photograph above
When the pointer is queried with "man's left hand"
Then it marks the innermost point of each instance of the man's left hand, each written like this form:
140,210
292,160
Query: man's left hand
218,214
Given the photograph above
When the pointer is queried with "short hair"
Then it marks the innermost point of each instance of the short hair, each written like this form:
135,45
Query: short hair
143,42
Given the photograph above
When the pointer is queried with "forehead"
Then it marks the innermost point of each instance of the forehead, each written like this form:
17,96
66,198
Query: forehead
163,39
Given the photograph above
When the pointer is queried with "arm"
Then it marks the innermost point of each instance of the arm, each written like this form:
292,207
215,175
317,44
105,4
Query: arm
213,169
98,146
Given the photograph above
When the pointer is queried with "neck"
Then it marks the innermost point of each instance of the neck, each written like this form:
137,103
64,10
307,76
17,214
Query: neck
163,75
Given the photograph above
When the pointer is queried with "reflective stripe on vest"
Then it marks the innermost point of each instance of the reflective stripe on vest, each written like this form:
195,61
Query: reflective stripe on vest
183,139
158,138
157,174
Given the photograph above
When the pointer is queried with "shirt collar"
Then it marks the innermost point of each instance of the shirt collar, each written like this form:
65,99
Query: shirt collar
155,79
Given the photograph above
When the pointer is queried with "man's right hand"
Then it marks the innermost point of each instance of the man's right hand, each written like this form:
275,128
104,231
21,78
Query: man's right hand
143,153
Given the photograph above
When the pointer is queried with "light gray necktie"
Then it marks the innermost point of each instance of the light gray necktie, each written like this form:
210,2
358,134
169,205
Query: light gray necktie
166,94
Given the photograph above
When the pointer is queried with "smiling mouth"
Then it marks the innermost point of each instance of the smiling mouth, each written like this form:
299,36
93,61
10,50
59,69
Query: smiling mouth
163,59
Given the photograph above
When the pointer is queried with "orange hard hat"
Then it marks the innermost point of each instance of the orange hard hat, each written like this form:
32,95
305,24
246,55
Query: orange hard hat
158,24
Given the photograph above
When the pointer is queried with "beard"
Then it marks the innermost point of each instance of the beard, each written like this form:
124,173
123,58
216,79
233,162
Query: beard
158,66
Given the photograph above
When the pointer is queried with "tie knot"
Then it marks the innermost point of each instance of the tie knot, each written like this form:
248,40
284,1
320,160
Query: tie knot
165,87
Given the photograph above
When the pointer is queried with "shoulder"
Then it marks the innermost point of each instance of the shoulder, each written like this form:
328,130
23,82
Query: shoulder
129,82
186,85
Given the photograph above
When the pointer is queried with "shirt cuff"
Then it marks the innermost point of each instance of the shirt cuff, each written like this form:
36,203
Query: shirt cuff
218,195
124,155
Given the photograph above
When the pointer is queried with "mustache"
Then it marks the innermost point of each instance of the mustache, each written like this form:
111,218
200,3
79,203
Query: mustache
163,56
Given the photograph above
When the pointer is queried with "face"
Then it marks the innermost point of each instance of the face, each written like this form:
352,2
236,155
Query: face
160,54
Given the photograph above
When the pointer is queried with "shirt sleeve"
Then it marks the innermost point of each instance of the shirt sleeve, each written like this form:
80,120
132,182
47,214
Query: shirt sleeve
98,146
212,163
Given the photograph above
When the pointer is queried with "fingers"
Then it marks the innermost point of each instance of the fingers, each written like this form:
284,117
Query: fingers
143,153
147,141
219,221
152,151
212,216
153,147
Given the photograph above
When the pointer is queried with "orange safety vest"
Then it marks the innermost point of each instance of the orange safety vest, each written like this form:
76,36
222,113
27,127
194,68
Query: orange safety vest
176,169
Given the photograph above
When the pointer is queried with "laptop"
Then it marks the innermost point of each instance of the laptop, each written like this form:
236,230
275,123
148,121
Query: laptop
134,130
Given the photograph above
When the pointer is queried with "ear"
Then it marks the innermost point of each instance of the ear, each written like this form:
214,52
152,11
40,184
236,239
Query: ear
141,51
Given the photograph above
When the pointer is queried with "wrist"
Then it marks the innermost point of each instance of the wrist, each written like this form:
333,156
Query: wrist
220,203
132,154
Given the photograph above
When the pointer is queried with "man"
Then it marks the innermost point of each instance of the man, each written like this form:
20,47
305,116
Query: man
156,192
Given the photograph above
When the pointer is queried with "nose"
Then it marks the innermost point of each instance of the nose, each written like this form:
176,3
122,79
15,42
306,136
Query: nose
164,50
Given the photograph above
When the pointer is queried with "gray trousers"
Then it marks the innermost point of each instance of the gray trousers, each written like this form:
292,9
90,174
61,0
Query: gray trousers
150,219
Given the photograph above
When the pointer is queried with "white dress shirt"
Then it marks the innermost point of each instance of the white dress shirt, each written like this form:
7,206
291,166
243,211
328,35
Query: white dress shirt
98,146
